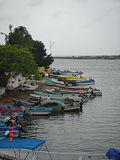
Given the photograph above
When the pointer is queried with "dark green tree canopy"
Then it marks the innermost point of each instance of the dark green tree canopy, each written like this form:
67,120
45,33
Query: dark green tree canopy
16,60
20,37
41,57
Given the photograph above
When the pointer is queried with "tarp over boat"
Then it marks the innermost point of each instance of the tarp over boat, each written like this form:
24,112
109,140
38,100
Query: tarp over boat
21,143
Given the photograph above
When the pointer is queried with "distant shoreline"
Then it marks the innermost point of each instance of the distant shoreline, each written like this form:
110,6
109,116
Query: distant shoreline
116,57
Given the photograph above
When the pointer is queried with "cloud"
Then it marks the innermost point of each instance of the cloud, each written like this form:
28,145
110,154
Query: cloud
115,8
81,1
74,24
35,3
1,4
116,1
60,14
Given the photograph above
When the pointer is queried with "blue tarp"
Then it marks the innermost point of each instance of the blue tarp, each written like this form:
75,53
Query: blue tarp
21,143
113,154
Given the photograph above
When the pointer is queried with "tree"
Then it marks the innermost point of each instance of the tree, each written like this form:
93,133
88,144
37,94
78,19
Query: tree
20,37
41,57
16,60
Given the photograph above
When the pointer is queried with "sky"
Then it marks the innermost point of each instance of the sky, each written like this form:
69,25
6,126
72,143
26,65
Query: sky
66,27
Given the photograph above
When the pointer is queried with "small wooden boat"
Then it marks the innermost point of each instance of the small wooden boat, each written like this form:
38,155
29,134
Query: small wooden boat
9,110
55,105
58,96
41,111
36,98
70,88
5,128
64,91
97,92
82,83
70,108
51,91
49,81
71,78
70,82
22,102
51,103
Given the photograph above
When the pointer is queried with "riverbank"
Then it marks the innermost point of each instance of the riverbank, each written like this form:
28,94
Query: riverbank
20,95
103,57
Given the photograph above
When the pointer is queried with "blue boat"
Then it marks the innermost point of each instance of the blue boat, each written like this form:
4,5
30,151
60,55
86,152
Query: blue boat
33,111
9,110
23,102
5,128
82,83
41,111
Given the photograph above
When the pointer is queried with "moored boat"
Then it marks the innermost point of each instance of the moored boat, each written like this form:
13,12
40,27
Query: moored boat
71,108
82,83
49,81
70,81
97,92
71,78
41,111
58,96
70,88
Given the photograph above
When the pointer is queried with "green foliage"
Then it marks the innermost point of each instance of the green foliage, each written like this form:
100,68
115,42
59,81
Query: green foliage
41,57
20,37
16,60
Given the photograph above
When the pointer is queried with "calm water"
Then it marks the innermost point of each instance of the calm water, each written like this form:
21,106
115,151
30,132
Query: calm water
98,127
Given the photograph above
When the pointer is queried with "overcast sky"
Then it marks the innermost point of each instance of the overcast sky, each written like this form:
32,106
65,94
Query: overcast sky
74,27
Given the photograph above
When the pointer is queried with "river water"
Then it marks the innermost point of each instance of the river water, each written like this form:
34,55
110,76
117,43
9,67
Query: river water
97,128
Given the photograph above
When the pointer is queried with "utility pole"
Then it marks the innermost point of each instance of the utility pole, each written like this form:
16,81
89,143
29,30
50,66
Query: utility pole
51,44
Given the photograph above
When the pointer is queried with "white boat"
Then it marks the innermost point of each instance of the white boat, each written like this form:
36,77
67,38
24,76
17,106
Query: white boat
97,92
71,108
57,96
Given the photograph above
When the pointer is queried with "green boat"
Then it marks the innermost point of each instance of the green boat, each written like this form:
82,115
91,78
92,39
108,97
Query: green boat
58,96
54,104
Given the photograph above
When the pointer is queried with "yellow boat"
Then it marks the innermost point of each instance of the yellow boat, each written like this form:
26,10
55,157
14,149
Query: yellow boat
71,78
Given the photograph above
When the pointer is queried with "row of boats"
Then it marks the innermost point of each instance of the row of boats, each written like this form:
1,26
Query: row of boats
66,96
57,98
60,97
